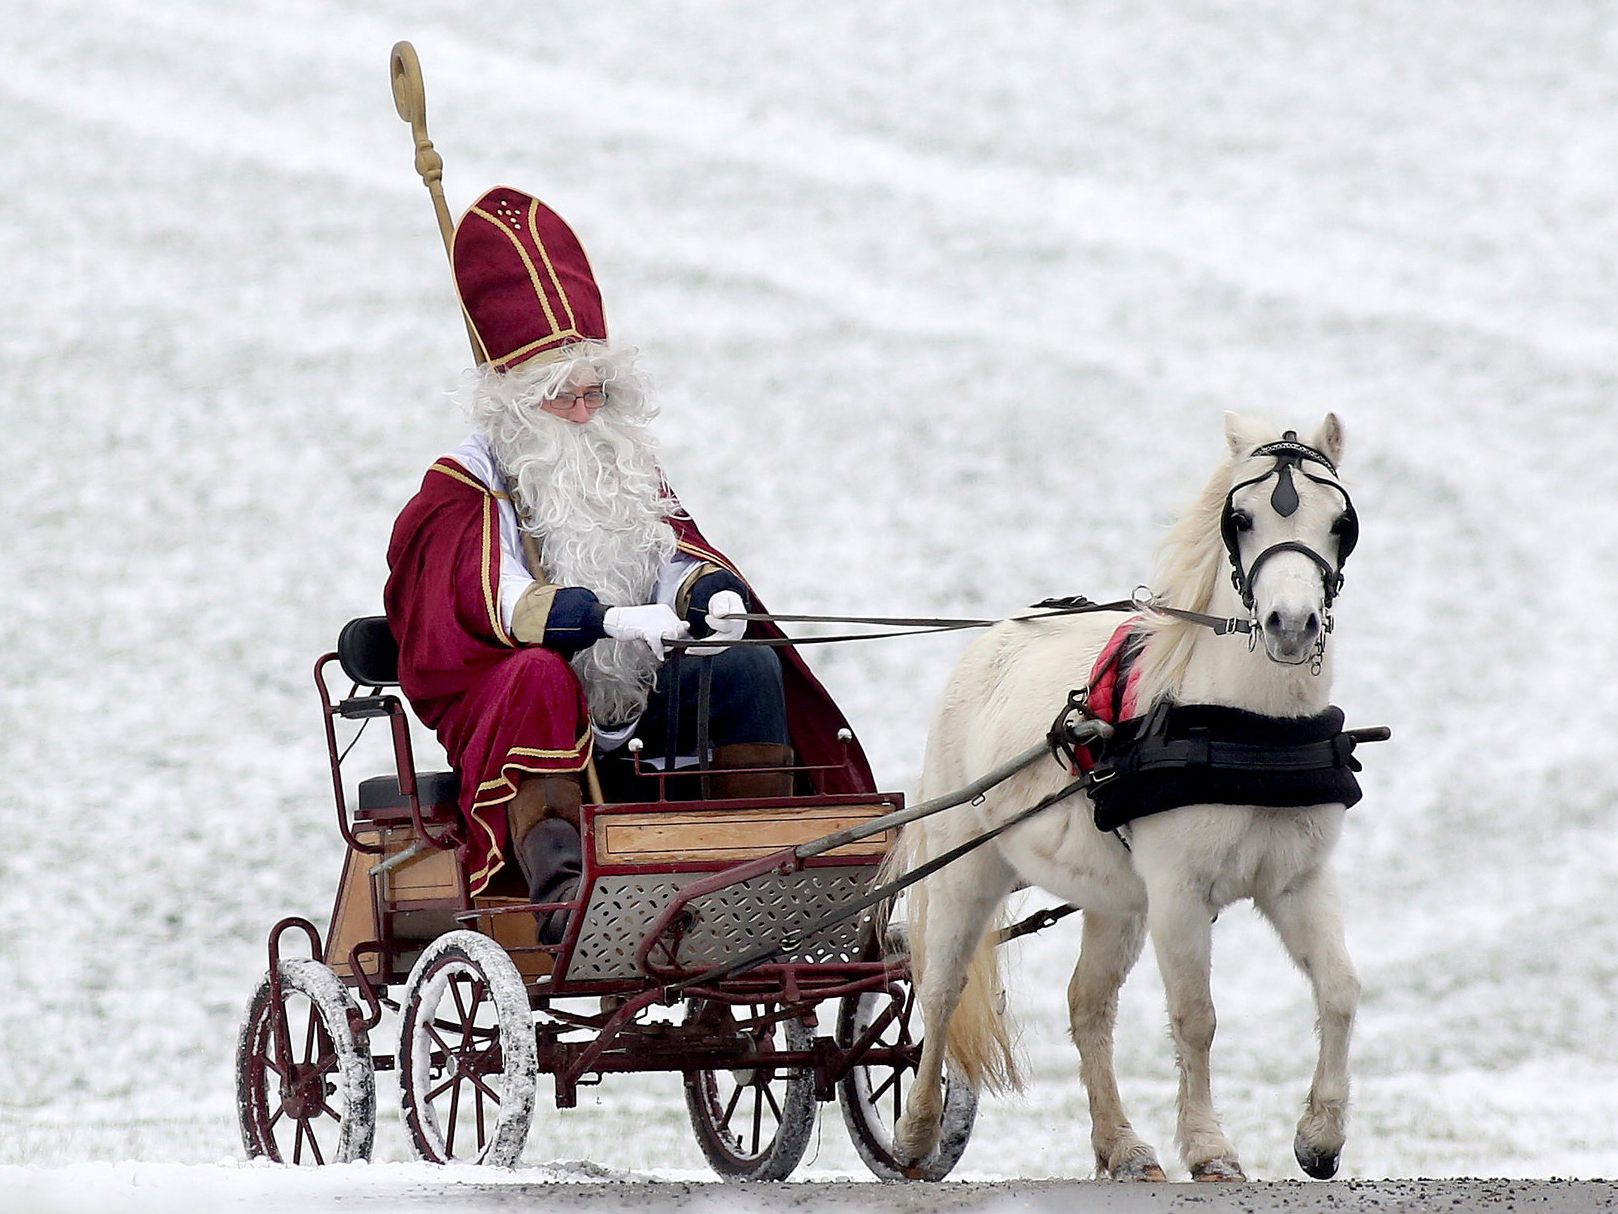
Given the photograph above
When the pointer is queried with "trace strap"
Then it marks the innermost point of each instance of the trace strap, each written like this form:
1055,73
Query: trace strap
881,893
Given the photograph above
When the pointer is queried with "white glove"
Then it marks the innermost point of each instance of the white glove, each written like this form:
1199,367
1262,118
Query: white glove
723,605
654,623
721,608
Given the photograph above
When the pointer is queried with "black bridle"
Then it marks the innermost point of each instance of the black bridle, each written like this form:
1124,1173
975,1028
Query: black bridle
1289,454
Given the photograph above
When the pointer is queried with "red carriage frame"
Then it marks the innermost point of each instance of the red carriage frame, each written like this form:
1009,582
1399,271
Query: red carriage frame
750,1011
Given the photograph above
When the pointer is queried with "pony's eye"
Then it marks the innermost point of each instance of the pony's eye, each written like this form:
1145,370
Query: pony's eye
1241,520
1340,524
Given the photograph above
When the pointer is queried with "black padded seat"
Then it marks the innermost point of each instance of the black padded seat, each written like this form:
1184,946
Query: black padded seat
368,653
432,788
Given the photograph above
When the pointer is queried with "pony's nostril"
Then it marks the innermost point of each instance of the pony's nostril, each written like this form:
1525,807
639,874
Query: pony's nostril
1313,626
1272,622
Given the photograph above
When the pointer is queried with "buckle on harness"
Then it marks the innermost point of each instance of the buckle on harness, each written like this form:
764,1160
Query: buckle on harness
1087,732
1076,728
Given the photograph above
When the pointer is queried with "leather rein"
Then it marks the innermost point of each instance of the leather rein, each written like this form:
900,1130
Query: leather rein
1289,454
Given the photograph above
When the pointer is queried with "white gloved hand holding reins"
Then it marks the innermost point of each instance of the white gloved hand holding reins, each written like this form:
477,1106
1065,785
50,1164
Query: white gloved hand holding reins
722,610
654,623
723,606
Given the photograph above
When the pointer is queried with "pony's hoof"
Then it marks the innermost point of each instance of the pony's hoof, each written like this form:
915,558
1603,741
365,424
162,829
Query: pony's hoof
913,1141
1322,1165
1135,1164
1137,1168
1218,1171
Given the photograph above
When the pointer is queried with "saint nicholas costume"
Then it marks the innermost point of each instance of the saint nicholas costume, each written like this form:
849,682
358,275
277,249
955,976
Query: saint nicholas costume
484,637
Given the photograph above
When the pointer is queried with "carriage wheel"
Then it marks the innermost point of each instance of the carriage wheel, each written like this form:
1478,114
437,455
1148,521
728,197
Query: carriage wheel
467,1059
872,1097
310,1097
753,1123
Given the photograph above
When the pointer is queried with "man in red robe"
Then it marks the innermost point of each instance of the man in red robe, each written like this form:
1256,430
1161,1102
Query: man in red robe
539,576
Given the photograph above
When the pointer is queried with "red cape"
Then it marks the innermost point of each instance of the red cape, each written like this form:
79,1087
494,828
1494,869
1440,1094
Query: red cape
457,662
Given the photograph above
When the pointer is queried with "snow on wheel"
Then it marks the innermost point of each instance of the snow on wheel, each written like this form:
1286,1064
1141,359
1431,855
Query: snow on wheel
467,1058
872,1096
305,1085
752,1123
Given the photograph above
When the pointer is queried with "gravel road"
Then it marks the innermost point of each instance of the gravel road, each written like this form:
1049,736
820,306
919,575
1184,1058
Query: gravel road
1031,1197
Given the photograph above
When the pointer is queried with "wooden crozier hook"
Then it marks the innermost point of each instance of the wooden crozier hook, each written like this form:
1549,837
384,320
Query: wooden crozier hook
410,99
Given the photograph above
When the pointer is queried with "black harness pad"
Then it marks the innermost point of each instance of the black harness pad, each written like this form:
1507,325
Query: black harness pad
1196,754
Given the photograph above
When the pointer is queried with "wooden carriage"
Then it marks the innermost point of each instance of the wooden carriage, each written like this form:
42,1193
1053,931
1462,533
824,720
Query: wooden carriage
706,938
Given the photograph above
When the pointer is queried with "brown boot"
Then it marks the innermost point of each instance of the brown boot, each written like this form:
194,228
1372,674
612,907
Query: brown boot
727,783
543,820
541,797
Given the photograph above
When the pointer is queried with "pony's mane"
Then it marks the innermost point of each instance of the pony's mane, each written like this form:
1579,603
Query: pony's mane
1190,563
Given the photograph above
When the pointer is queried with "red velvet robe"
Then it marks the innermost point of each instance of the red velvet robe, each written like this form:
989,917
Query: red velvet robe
504,710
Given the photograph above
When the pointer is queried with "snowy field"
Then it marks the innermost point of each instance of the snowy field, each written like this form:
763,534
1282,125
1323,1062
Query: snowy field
944,302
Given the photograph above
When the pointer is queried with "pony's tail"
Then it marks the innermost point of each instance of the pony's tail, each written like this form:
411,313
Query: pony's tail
979,1039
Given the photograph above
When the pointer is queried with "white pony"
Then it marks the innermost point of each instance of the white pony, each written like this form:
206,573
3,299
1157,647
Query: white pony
1178,868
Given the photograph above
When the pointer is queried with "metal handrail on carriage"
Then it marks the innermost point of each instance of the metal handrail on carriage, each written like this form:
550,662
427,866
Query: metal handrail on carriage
568,1046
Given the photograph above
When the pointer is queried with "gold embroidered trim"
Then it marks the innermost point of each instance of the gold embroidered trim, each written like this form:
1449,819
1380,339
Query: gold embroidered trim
565,337
476,881
708,554
682,596
533,613
578,751
533,228
491,557
491,602
528,263
457,474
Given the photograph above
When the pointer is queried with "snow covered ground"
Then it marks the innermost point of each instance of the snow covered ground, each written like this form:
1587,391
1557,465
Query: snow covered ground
944,301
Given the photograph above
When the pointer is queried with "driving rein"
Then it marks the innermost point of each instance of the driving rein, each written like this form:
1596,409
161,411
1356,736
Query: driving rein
1290,456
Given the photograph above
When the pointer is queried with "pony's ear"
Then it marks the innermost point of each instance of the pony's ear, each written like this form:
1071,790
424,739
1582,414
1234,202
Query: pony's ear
1328,440
1245,433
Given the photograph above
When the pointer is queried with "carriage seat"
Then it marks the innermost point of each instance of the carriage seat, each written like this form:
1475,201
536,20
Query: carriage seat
432,788
369,655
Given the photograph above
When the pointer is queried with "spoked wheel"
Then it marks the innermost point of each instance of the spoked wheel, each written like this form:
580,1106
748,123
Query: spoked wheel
307,1096
872,1096
467,1060
752,1123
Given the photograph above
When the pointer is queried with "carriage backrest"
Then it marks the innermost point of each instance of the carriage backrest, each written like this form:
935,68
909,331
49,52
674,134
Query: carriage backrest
368,653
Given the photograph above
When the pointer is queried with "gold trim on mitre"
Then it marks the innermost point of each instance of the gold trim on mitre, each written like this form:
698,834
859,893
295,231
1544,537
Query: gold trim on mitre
551,348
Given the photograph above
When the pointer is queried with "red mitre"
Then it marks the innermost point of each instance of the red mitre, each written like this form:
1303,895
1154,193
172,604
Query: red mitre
524,280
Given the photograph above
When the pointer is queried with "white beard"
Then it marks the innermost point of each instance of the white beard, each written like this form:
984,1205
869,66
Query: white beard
592,496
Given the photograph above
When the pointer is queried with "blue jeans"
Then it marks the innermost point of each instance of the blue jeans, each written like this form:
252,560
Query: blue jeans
747,702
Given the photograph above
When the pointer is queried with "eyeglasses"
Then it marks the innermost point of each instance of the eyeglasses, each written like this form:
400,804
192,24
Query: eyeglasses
563,402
